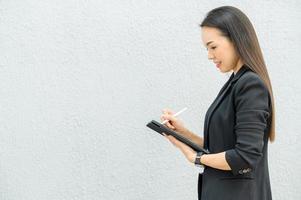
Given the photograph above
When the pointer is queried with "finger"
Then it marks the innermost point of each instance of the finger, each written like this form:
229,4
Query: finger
167,111
161,118
173,140
168,138
168,117
168,124
171,119
171,137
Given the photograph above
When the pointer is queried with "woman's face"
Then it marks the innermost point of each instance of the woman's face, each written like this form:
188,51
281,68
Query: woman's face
220,50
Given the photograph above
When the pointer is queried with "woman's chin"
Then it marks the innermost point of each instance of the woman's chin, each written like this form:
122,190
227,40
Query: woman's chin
221,70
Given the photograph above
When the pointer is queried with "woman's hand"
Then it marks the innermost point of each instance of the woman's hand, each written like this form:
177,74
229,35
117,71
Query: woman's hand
173,122
188,152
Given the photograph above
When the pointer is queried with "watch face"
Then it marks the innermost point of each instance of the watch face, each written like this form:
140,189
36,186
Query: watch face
197,160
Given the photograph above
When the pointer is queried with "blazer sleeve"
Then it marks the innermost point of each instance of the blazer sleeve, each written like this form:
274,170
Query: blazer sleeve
252,111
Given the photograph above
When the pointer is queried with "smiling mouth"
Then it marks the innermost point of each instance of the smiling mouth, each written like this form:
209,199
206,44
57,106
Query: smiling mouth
218,64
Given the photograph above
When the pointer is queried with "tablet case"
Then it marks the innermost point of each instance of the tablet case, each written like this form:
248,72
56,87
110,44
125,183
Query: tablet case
161,128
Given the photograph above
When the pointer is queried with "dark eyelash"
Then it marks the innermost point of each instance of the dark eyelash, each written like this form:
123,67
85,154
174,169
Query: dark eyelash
211,48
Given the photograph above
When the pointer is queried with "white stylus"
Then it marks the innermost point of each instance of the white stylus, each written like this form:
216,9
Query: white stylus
178,113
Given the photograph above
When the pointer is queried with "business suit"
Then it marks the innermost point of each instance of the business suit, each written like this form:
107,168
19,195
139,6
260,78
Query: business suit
238,122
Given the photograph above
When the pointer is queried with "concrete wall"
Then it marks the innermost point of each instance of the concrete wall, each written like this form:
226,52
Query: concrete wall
79,79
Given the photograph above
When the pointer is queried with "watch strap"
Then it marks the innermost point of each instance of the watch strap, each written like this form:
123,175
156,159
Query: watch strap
198,158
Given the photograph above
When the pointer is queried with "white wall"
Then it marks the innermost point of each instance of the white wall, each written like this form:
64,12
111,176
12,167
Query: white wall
80,79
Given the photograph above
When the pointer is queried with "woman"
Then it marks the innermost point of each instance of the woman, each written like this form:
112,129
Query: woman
240,121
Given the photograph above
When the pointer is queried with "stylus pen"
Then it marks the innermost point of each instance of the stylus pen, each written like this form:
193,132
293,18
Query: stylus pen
178,113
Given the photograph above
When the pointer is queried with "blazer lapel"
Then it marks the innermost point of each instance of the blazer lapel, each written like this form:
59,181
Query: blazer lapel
218,100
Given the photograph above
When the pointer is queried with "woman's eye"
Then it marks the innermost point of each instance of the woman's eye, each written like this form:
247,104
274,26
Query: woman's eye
211,48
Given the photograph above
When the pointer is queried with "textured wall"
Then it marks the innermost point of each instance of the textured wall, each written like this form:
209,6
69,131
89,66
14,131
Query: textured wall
79,79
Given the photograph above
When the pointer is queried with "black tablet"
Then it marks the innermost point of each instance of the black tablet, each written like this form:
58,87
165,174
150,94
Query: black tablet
161,128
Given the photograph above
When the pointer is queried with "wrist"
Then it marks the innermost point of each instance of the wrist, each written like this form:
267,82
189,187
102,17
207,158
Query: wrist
193,157
198,159
202,158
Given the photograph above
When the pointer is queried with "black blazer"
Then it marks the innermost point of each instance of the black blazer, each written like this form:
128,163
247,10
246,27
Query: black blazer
238,122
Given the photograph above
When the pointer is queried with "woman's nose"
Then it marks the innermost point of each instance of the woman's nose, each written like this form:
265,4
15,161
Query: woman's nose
210,55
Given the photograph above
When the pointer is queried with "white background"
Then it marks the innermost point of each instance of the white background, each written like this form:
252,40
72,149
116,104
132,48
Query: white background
79,79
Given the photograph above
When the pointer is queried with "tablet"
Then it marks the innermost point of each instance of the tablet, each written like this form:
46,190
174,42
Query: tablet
161,128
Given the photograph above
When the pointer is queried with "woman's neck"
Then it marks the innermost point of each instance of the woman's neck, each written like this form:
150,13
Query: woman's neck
238,66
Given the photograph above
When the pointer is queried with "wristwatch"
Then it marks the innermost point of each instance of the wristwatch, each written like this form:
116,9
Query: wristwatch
197,161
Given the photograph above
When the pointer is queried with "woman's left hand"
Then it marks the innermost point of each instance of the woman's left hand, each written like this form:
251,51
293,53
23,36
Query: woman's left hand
189,153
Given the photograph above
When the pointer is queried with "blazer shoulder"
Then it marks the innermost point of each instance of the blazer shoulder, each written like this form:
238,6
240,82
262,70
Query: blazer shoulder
250,87
250,79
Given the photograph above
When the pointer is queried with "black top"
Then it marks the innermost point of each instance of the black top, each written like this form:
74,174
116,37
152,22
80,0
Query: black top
238,122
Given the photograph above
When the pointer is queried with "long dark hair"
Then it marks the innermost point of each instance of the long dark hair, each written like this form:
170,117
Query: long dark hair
235,25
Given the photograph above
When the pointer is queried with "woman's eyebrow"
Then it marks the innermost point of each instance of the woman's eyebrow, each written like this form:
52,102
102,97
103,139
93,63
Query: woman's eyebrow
208,43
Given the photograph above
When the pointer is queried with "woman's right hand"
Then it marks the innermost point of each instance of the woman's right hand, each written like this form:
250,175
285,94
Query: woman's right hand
173,122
